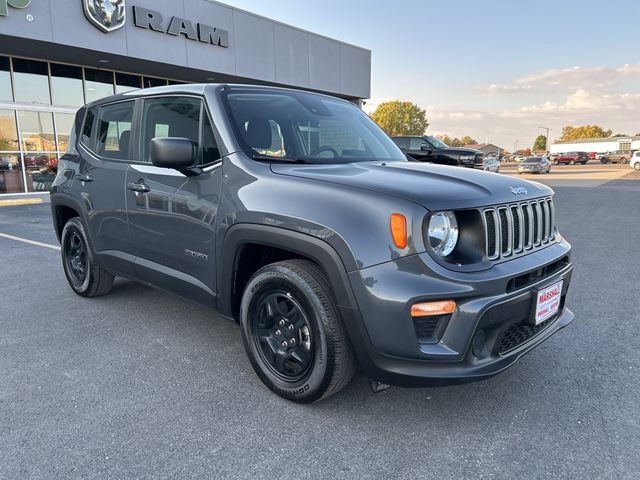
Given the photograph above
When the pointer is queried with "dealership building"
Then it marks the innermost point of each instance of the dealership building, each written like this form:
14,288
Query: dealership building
56,56
597,145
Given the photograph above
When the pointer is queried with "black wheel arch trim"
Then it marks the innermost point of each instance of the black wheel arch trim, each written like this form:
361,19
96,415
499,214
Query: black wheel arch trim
63,200
299,243
312,248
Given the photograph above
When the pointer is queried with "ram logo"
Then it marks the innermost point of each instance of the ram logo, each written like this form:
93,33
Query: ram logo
107,15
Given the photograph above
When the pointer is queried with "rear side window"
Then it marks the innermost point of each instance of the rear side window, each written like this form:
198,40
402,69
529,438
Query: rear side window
113,134
87,128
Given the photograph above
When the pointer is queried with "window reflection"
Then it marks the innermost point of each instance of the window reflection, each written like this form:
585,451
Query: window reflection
98,84
6,92
41,169
8,132
66,85
10,173
126,82
64,125
31,81
36,130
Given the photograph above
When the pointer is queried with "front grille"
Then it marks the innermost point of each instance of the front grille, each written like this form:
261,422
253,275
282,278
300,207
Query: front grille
518,228
519,333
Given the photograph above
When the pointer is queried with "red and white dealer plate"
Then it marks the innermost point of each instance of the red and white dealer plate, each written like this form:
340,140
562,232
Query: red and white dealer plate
548,302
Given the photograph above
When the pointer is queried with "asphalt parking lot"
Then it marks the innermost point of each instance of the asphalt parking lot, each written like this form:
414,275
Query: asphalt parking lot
138,384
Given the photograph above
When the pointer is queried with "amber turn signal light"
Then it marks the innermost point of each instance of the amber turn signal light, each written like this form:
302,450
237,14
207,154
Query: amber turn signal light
399,230
429,309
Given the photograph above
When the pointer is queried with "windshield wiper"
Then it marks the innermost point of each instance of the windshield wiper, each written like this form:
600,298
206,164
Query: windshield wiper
270,159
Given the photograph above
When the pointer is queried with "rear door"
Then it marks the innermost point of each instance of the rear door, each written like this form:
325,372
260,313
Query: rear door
172,217
105,149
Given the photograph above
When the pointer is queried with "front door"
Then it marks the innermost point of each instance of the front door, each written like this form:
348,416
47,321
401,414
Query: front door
172,217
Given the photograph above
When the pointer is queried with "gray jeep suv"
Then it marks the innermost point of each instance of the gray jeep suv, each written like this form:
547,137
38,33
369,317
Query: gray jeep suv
295,215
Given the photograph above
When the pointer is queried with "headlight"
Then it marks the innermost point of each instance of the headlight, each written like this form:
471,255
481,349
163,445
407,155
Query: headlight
443,233
467,157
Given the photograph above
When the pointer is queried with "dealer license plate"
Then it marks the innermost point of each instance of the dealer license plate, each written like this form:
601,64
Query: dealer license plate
548,302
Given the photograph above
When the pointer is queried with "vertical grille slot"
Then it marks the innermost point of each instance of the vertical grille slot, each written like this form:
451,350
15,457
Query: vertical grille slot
513,229
506,231
516,214
492,237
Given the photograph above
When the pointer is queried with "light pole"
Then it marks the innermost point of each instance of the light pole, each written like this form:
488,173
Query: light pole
546,140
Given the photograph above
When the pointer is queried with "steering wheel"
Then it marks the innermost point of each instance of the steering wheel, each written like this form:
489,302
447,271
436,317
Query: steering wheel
325,148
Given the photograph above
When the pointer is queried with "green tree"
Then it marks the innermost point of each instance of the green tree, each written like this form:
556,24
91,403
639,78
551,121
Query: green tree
467,140
401,118
587,131
540,145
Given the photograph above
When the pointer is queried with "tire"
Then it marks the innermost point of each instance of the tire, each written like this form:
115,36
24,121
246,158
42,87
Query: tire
498,170
623,161
85,277
304,356
636,166
584,163
604,161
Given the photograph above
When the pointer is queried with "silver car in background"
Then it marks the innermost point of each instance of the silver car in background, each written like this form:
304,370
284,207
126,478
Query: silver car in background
491,164
534,165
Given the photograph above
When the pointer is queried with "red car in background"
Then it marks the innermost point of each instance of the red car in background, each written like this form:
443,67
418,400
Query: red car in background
571,158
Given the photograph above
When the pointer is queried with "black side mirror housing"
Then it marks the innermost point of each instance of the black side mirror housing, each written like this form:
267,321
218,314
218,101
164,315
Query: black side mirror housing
425,147
173,152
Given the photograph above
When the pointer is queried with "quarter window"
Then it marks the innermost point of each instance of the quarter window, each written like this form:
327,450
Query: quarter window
85,138
114,131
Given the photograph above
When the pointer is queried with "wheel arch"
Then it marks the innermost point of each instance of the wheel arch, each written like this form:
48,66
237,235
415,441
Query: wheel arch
64,208
248,239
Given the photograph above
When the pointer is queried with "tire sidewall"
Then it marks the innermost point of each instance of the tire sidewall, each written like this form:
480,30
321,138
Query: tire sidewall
75,224
316,381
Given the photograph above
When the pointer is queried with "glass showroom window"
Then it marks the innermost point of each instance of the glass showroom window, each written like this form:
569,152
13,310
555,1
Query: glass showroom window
126,82
6,91
39,149
11,180
150,82
98,84
66,85
64,125
31,81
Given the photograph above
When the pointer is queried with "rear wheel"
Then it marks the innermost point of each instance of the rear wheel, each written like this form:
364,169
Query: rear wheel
623,160
85,277
292,333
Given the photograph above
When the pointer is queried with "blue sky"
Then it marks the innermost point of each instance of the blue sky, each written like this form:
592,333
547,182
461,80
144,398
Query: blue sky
491,69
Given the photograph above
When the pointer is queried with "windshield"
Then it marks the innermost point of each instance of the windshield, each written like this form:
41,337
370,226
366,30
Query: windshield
288,126
436,142
533,160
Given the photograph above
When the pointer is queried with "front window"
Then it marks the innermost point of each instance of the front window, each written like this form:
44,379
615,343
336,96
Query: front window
533,160
285,126
437,142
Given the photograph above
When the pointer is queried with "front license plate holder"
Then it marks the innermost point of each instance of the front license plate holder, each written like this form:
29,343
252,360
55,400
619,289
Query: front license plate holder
546,302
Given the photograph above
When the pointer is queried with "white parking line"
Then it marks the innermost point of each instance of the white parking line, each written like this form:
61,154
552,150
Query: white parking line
30,242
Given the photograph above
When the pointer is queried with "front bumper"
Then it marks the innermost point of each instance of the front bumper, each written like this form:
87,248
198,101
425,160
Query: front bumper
487,333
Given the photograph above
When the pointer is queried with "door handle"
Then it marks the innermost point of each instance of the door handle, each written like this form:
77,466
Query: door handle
138,187
83,177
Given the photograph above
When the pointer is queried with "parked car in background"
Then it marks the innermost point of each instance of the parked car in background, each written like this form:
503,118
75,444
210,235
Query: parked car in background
491,164
599,156
635,161
535,165
619,156
520,158
572,158
431,149
592,155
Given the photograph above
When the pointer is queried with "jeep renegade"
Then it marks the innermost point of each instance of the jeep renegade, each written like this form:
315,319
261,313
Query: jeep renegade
294,214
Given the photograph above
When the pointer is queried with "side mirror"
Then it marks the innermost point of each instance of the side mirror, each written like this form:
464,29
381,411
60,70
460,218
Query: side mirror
173,152
425,147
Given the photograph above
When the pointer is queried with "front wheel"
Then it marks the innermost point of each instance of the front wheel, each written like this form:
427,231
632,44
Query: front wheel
85,277
292,332
637,166
623,161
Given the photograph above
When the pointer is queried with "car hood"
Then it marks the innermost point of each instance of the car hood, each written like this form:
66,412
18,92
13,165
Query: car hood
435,187
462,151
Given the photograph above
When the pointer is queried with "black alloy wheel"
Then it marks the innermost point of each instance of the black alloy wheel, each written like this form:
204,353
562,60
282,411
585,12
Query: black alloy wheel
292,332
75,258
282,334
84,275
